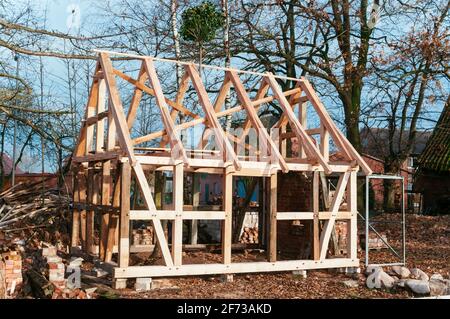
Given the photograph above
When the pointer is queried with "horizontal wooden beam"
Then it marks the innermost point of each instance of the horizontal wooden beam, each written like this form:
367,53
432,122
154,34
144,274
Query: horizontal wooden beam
259,168
233,268
170,215
310,215
103,156
96,207
94,119
206,66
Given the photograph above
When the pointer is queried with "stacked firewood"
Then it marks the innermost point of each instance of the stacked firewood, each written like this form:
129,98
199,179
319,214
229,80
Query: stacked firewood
30,202
143,236
249,235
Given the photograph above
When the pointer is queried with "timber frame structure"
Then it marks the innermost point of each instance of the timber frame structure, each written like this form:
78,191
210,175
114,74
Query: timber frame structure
107,160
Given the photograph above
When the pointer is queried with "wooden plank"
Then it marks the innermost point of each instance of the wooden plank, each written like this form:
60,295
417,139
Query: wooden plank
150,204
81,145
171,214
227,225
262,91
124,221
113,224
352,201
295,215
177,230
266,141
310,215
111,139
303,119
90,213
113,220
94,119
100,132
145,188
328,226
202,120
247,167
196,186
183,87
233,268
337,135
117,108
221,139
293,100
150,91
96,157
218,104
83,216
105,200
137,96
310,148
272,243
177,149
91,107
76,213
152,214
325,143
316,225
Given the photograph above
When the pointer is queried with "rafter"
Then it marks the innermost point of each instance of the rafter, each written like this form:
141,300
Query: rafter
267,143
177,149
221,139
296,126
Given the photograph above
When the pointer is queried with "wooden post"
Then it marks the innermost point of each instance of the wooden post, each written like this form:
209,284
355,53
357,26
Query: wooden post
283,146
195,203
177,230
227,206
272,251
124,226
106,193
316,235
352,200
90,211
83,217
261,217
302,117
76,212
325,142
114,218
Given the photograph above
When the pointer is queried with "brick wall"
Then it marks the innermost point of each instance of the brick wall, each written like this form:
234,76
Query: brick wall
294,195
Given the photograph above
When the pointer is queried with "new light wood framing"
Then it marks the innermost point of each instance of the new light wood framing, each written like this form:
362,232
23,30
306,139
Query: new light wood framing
107,159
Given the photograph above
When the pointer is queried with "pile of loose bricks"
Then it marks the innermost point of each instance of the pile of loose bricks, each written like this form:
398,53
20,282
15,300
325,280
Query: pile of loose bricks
56,267
10,273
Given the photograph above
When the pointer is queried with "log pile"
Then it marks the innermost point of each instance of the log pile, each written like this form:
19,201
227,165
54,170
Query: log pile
143,236
249,235
30,206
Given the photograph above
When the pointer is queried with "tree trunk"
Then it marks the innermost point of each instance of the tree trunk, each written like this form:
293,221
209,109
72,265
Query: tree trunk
352,105
390,188
226,46
200,59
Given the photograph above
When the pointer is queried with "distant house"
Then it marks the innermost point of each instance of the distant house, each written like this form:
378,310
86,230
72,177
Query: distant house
7,165
375,147
432,178
22,176
375,142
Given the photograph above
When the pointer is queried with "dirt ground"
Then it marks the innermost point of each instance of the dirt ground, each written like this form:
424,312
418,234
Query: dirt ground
427,246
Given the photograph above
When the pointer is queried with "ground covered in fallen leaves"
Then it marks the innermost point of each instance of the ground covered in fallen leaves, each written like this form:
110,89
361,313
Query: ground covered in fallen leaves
427,247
